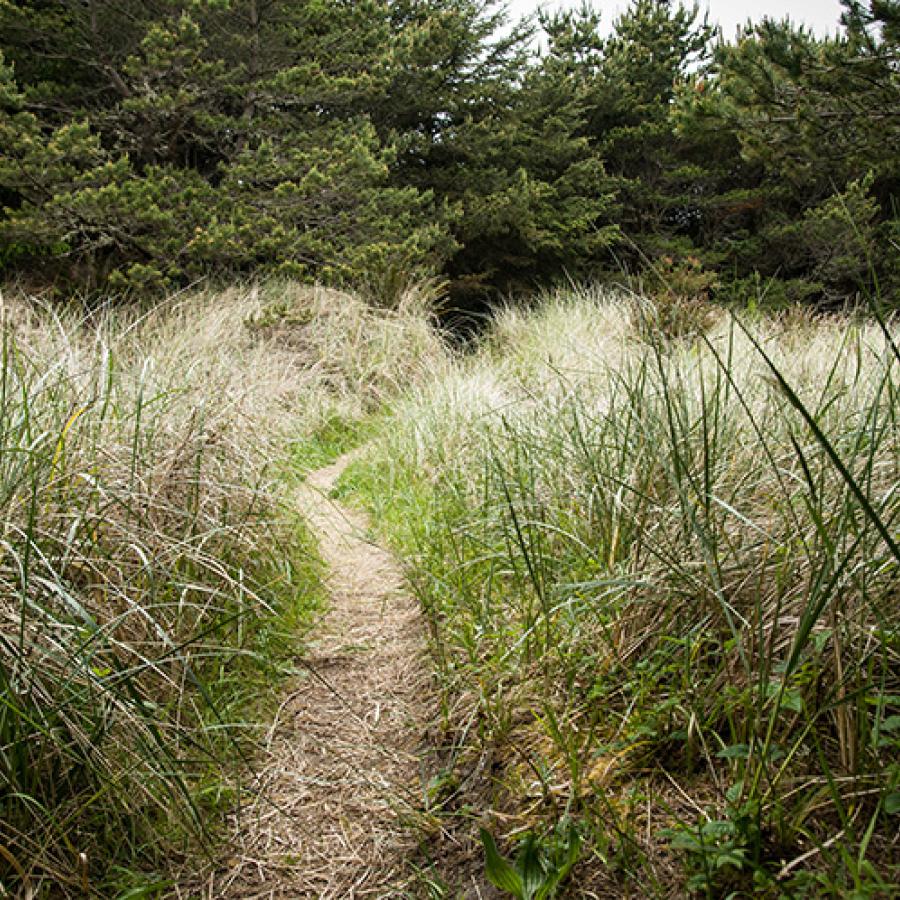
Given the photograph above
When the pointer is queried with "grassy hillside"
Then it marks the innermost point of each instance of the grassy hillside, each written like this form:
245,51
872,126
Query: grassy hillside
155,577
658,556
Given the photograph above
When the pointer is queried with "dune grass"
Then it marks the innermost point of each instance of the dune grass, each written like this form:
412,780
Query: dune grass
660,573
155,578
657,552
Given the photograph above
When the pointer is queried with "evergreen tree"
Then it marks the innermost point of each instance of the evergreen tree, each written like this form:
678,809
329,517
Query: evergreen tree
818,112
628,83
204,138
493,136
153,143
813,121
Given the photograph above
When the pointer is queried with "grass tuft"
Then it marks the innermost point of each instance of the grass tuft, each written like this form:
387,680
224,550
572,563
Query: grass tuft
660,572
155,578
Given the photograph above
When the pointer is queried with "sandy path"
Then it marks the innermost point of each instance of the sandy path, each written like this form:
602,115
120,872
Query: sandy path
342,756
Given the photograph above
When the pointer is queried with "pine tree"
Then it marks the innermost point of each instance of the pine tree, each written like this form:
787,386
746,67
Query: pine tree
629,81
814,120
204,138
492,134
819,112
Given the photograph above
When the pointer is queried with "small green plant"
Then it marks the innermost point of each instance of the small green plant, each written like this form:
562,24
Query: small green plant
540,866
717,854
680,304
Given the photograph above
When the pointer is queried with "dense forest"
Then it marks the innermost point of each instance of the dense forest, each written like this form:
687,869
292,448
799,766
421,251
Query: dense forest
149,145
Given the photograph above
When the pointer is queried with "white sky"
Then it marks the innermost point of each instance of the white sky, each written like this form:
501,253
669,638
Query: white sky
821,15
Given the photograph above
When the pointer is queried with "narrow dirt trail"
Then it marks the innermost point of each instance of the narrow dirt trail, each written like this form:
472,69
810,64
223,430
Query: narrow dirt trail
342,757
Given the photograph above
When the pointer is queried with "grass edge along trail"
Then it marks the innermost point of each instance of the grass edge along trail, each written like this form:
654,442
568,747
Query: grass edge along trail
659,572
156,581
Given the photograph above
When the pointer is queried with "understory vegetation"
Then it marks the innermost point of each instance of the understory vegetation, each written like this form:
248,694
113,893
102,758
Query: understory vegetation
658,558
655,543
155,576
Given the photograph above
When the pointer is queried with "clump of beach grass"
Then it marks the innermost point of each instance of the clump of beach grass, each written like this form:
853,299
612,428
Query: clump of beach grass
660,573
153,572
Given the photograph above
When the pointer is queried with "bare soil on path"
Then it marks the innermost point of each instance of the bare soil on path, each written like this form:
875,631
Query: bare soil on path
341,771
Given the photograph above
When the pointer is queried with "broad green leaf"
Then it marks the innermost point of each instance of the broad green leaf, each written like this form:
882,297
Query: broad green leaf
528,863
735,751
498,870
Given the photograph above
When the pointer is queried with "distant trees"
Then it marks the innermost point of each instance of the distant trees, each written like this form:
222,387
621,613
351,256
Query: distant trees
814,126
493,137
628,82
148,144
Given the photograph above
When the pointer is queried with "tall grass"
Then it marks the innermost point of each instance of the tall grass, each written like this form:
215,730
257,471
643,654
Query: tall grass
152,569
661,578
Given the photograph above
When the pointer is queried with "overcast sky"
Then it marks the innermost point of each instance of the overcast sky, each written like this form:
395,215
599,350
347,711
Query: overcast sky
821,15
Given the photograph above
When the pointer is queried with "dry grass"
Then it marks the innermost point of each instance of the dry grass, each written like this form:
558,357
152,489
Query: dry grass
150,568
339,773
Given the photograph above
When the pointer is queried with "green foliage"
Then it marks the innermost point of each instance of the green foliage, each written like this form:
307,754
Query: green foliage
150,591
494,138
677,300
834,243
540,866
716,151
334,437
717,854
535,201
817,111
154,144
203,151
625,85
807,127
